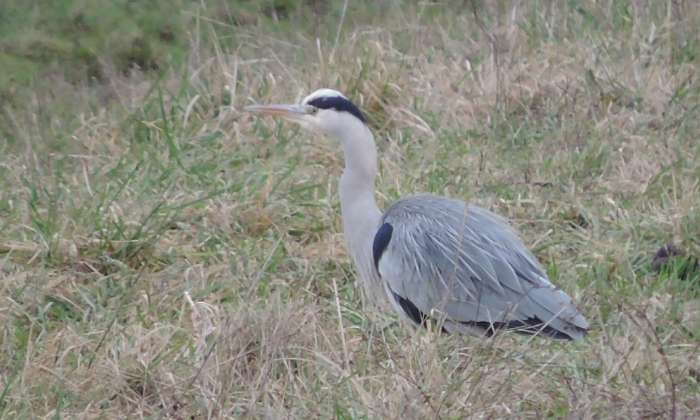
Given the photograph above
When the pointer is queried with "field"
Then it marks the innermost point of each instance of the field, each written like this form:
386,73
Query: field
165,255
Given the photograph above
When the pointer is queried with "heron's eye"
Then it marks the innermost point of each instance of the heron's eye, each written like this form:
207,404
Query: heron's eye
313,110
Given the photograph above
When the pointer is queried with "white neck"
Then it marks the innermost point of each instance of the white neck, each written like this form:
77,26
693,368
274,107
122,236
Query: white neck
361,215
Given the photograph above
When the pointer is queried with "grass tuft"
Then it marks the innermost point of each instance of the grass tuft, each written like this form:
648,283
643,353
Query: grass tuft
163,254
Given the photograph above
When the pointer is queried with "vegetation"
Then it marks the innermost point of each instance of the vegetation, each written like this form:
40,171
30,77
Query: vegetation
164,255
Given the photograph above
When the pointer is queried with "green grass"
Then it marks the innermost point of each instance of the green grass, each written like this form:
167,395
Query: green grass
163,254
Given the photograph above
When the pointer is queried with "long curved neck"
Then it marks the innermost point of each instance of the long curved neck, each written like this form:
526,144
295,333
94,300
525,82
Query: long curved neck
360,212
360,171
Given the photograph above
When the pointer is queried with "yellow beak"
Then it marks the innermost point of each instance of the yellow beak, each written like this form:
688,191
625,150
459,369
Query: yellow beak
292,112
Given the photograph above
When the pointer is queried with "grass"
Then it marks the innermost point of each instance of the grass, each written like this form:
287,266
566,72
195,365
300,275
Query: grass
165,255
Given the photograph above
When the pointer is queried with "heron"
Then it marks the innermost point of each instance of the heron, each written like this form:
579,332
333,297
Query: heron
439,261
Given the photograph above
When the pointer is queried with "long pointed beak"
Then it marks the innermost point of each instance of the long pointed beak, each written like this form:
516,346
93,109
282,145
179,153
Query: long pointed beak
292,112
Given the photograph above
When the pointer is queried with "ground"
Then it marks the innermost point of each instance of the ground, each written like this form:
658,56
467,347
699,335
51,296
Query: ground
165,255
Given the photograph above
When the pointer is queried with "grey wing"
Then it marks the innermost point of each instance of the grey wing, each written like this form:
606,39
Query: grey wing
441,258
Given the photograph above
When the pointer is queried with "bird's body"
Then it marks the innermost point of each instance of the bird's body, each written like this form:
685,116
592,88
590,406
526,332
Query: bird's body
480,275
436,258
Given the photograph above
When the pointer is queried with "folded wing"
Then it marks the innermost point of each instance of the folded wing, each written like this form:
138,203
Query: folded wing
465,266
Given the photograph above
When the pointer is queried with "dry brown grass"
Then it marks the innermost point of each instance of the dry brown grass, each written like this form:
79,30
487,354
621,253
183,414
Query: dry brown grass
165,255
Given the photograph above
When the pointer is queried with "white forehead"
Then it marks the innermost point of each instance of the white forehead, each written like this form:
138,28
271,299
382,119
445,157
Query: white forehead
322,93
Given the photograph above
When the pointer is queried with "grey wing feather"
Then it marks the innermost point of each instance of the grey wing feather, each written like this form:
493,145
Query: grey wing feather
469,265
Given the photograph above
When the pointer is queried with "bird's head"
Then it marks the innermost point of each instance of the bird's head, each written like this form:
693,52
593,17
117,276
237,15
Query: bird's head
325,110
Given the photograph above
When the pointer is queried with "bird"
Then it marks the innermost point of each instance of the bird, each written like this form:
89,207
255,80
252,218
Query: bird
438,261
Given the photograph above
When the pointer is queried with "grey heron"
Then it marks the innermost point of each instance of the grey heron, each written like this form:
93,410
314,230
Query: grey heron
437,259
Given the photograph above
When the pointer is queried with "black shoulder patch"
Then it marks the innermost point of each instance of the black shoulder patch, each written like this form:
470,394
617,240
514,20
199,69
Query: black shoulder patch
339,104
414,314
381,241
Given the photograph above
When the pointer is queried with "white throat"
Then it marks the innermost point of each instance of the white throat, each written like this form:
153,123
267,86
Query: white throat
361,216
357,182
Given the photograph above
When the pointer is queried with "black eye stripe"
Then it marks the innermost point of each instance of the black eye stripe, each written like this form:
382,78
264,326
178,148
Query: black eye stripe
339,104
